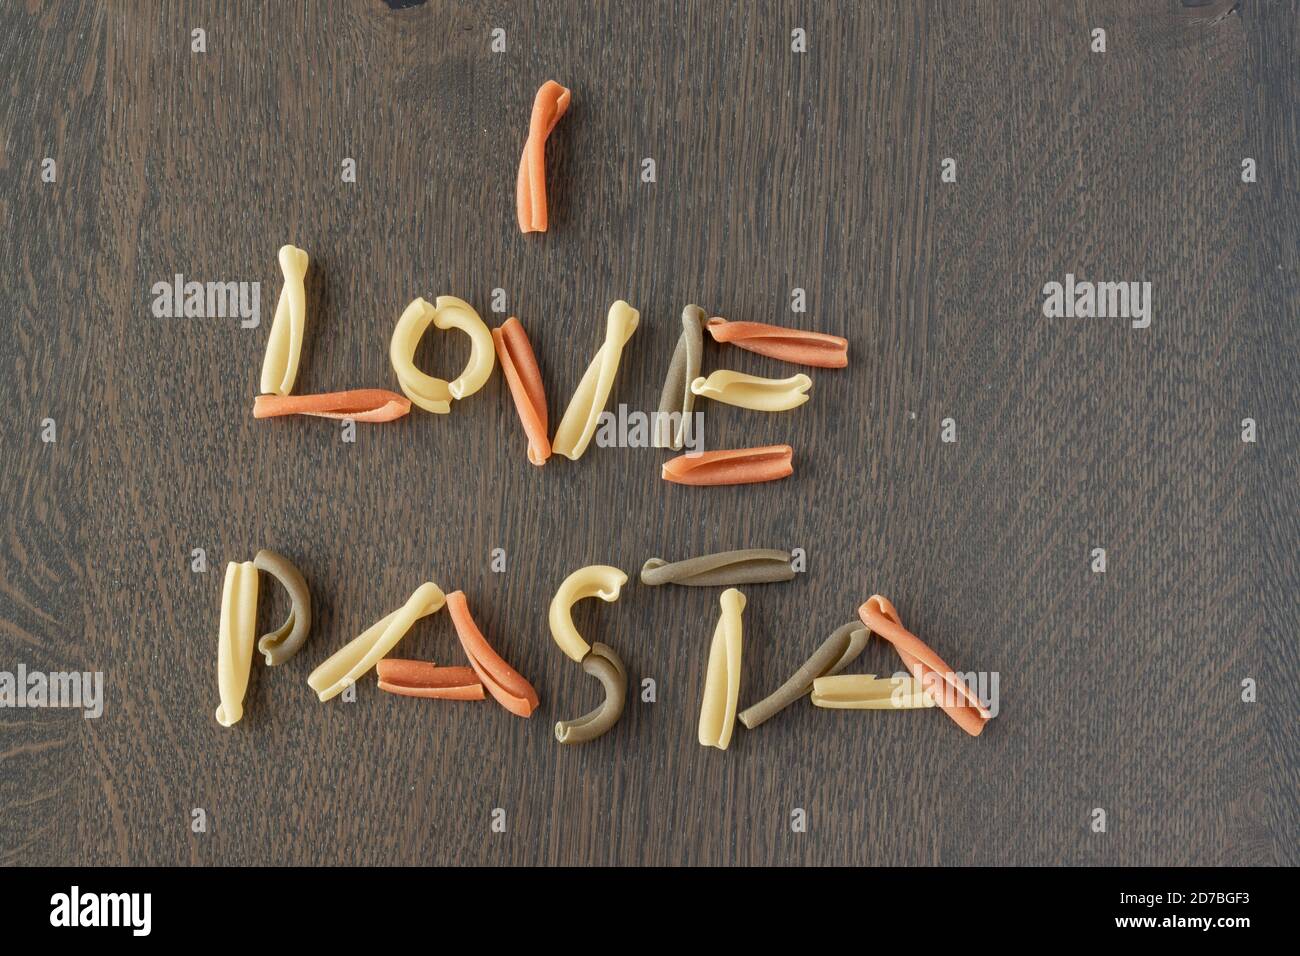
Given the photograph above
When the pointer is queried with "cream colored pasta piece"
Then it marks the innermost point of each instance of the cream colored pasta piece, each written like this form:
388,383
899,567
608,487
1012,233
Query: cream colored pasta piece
348,665
595,581
722,680
868,692
284,345
579,422
431,393
235,639
751,391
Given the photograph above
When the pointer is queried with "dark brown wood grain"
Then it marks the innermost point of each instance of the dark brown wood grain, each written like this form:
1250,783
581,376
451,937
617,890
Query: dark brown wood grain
775,170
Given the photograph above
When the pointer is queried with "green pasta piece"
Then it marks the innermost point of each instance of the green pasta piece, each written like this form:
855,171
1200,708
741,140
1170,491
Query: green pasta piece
603,664
724,569
835,653
677,398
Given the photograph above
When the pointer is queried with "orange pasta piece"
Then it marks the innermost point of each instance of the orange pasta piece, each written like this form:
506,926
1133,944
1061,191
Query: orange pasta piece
426,679
734,466
548,106
502,681
525,381
789,345
360,405
879,615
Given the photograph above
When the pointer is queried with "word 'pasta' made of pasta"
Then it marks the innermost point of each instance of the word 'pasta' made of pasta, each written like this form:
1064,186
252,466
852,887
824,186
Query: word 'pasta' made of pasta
606,666
869,692
678,399
426,679
346,666
732,466
957,700
835,653
286,640
284,344
594,581
358,405
519,365
530,189
235,639
798,347
725,568
506,685
578,424
431,393
722,679
754,392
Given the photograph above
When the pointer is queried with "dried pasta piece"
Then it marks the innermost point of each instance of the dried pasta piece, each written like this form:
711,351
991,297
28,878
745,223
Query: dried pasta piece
789,345
925,665
733,466
678,399
359,404
722,680
286,640
835,653
436,394
530,192
746,566
284,345
349,664
869,692
594,581
519,364
754,392
426,679
604,665
578,424
235,639
502,681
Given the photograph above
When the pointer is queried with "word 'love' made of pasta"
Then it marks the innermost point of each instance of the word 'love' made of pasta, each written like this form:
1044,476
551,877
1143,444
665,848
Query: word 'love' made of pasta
724,569
722,679
431,393
530,188
578,424
733,466
816,349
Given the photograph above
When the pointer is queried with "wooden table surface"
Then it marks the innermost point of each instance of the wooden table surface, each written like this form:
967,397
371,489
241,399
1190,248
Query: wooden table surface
775,171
